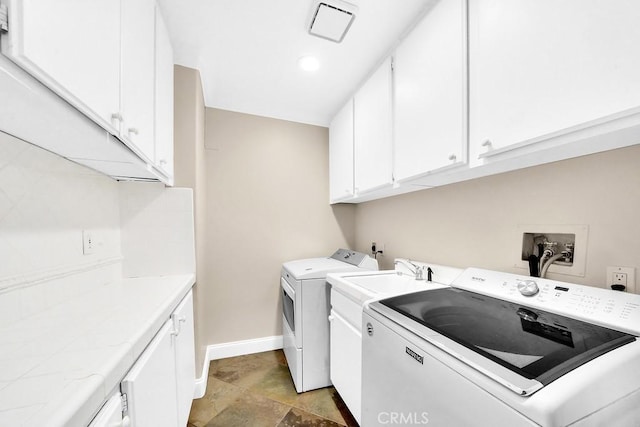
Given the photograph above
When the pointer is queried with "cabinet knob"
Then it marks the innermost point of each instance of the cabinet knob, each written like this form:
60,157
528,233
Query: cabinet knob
162,162
487,143
116,116
133,131
453,157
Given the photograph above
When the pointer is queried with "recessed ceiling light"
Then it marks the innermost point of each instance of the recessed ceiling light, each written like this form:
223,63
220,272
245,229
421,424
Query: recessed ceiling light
309,63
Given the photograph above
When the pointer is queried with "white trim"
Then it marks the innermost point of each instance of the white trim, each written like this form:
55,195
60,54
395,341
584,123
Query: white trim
231,349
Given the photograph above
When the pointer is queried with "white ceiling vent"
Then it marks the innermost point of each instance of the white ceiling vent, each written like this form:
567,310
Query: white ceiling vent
332,19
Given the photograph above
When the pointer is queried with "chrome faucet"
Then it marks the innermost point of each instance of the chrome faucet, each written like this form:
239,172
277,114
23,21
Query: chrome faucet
417,270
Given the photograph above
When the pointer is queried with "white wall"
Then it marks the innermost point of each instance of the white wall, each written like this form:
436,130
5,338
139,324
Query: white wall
45,203
157,229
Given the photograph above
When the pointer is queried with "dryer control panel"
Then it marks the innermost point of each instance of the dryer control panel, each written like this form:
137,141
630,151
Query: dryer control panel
612,309
355,258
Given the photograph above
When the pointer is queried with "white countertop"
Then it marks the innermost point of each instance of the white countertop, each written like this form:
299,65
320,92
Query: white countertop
59,365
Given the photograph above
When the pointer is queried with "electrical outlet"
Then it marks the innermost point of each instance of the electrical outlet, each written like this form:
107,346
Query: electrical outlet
377,248
88,242
624,276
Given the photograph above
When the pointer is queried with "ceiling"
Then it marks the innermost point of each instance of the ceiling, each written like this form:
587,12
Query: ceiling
247,52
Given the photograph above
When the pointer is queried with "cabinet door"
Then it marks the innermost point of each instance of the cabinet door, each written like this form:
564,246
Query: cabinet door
110,415
372,132
73,47
138,75
346,362
541,66
164,98
150,385
185,357
430,93
341,154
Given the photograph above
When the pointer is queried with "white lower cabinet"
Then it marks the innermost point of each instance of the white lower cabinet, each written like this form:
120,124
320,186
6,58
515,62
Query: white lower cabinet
150,386
346,351
111,414
185,357
159,387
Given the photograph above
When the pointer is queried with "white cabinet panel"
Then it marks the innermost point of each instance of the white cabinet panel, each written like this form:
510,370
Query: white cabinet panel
430,110
110,414
164,98
150,385
346,362
185,357
160,385
73,47
541,66
341,154
138,71
372,132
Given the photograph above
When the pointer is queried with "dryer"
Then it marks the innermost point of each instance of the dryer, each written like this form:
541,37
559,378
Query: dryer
305,313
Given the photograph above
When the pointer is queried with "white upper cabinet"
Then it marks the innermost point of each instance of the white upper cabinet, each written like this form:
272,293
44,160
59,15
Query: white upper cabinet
545,72
430,108
164,99
73,47
372,132
341,155
138,71
110,59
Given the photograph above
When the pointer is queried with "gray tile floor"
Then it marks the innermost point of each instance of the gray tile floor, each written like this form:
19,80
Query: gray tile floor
256,390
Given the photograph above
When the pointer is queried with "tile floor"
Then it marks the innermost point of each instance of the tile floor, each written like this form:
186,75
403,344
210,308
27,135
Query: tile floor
256,390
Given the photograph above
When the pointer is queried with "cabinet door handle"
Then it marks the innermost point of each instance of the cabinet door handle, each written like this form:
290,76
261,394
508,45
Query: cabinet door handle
176,324
486,143
116,120
453,157
133,131
162,162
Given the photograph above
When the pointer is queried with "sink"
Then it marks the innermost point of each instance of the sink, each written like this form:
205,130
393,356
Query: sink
363,287
388,283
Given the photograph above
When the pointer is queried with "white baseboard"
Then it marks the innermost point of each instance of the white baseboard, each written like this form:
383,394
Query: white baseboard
231,349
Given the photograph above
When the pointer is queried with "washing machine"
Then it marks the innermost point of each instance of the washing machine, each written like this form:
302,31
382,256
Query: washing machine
497,349
305,313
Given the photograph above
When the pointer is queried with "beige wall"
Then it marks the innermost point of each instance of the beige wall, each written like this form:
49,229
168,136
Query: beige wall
189,163
474,223
267,202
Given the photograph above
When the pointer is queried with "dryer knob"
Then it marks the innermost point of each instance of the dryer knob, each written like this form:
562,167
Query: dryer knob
528,288
369,329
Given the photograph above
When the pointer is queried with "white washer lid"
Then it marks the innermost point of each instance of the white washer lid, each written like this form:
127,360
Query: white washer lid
316,268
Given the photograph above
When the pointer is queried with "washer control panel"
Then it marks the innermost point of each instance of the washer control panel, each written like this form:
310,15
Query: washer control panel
612,309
